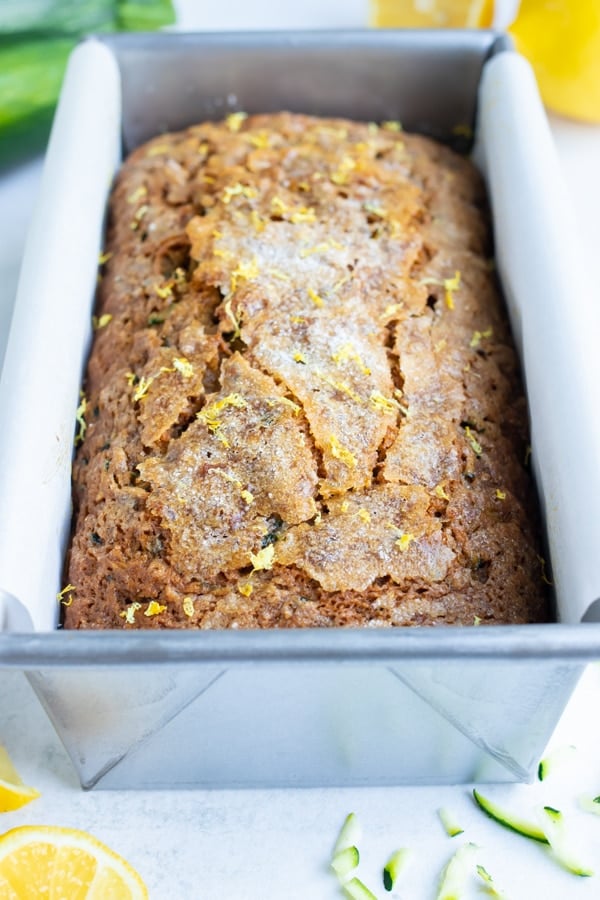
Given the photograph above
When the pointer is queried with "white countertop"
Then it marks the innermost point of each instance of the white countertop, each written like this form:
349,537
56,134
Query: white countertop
257,845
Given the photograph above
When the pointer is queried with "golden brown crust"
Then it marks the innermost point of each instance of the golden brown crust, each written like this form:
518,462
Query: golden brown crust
305,408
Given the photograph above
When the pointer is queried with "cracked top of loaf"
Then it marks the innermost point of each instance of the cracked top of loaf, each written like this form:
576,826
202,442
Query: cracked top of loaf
302,406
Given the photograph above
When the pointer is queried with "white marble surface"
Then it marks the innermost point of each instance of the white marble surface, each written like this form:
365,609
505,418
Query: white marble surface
257,845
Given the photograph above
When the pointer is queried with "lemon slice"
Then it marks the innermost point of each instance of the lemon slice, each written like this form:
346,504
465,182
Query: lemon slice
56,863
13,793
431,13
561,39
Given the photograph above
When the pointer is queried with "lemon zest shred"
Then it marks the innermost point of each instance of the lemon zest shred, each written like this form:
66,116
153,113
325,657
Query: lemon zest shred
158,149
338,451
234,120
340,284
318,248
188,606
393,309
138,194
340,176
286,402
318,518
500,495
222,254
440,345
165,291
248,497
258,223
139,215
297,320
475,445
299,357
375,210
261,140
451,285
404,541
382,403
217,234
129,613
364,514
277,273
478,336
237,189
142,387
64,593
263,559
316,298
392,125
131,378
102,321
183,366
104,258
154,609
245,270
344,506
80,418
440,492
302,215
245,589
341,386
349,353
209,415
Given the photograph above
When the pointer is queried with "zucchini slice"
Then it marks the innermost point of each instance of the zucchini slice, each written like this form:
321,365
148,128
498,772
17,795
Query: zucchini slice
345,862
451,826
554,829
509,819
356,890
455,874
394,866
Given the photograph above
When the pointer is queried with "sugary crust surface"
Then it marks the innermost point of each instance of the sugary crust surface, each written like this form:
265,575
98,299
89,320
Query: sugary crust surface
303,407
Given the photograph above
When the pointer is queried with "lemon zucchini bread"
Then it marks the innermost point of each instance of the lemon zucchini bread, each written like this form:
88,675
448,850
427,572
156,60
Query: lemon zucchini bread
302,406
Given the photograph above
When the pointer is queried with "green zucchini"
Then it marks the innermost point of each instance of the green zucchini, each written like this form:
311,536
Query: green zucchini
509,820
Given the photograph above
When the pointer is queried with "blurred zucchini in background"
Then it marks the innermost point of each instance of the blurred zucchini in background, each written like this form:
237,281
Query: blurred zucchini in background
36,38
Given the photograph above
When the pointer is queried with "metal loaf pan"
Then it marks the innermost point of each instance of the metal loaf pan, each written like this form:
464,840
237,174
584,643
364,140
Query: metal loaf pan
279,708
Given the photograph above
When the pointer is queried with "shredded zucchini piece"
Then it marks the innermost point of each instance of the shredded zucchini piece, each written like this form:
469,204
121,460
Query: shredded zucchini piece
590,804
350,834
454,875
554,830
345,862
490,887
554,759
509,820
356,890
447,819
394,866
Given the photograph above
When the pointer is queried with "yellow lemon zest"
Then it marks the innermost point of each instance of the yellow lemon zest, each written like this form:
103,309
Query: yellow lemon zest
478,336
104,258
382,403
234,120
264,558
451,285
64,593
338,451
245,589
248,497
154,609
299,357
476,446
316,299
158,149
245,270
364,514
348,353
139,215
404,541
183,366
341,386
344,506
340,176
99,322
257,222
231,316
235,190
129,613
260,139
286,402
188,606
392,125
277,273
142,387
440,492
165,291
138,194
500,495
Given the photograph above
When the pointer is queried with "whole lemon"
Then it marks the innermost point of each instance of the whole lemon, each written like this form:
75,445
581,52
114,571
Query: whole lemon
561,39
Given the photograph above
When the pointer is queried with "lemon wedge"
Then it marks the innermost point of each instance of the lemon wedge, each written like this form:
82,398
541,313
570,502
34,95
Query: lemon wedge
55,863
431,13
561,39
13,793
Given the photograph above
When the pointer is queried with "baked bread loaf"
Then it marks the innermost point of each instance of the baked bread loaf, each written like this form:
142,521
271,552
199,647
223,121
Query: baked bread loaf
302,405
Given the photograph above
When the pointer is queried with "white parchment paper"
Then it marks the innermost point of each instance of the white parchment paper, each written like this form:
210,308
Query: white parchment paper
555,323
50,332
